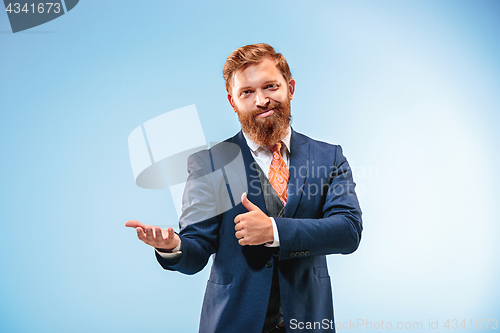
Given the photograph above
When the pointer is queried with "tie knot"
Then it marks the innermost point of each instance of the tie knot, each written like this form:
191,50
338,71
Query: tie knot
276,147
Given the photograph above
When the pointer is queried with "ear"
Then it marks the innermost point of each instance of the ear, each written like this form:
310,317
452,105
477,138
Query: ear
230,99
291,87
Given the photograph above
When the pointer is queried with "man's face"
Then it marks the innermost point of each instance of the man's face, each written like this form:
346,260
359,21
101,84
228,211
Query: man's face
261,97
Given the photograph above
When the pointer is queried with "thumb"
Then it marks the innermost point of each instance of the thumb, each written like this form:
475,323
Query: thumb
247,203
135,224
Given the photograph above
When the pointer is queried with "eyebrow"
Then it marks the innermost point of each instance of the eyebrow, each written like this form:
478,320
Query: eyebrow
244,88
266,82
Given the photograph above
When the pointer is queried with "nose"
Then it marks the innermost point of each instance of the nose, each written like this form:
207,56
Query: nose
261,100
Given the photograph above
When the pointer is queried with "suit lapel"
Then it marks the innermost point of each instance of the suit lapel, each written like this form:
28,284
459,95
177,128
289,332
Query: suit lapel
256,196
299,162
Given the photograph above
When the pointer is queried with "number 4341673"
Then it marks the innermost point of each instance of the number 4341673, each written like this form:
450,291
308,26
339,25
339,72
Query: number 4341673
491,323
32,8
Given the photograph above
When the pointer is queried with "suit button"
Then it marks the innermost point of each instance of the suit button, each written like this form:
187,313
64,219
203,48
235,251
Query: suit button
302,253
307,253
292,254
269,263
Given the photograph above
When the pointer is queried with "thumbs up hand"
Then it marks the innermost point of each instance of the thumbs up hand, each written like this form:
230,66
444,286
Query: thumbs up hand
254,227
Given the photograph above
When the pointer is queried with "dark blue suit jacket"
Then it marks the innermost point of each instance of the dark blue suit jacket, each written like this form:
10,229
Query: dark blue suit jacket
322,217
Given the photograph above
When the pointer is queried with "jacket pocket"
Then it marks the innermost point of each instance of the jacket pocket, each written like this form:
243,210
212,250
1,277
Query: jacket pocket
321,272
220,278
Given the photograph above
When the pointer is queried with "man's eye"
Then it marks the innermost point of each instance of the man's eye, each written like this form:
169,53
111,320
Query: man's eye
271,86
246,92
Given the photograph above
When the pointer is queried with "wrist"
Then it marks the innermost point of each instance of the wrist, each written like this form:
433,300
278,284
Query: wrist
271,231
176,248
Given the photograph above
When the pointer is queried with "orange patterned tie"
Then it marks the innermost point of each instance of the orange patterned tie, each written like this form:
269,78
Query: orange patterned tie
279,174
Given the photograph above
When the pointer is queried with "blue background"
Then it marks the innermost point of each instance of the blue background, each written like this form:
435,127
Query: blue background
408,88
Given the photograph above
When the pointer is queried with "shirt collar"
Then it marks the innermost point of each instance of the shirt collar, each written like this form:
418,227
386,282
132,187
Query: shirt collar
255,147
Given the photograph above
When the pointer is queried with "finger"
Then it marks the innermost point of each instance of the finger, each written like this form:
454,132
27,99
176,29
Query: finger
141,234
134,224
172,239
149,235
159,235
238,218
242,242
170,234
238,226
239,234
247,203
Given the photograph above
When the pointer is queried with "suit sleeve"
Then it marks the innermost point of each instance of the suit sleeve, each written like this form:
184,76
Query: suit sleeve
337,231
199,225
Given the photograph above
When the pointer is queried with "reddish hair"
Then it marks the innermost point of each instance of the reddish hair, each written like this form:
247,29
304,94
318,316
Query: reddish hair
248,55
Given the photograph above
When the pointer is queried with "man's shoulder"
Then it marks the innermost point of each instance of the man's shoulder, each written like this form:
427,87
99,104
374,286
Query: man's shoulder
219,152
320,151
302,138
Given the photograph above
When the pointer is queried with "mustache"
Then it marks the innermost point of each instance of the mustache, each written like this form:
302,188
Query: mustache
273,105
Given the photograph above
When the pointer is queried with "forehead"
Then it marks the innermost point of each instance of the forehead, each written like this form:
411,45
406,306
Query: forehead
257,74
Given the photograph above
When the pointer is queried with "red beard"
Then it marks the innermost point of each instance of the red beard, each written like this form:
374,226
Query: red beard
271,129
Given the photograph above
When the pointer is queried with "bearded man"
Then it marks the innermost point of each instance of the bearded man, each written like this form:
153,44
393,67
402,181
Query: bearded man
270,272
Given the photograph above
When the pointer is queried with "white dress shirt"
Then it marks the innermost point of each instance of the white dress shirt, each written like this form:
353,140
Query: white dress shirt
263,156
